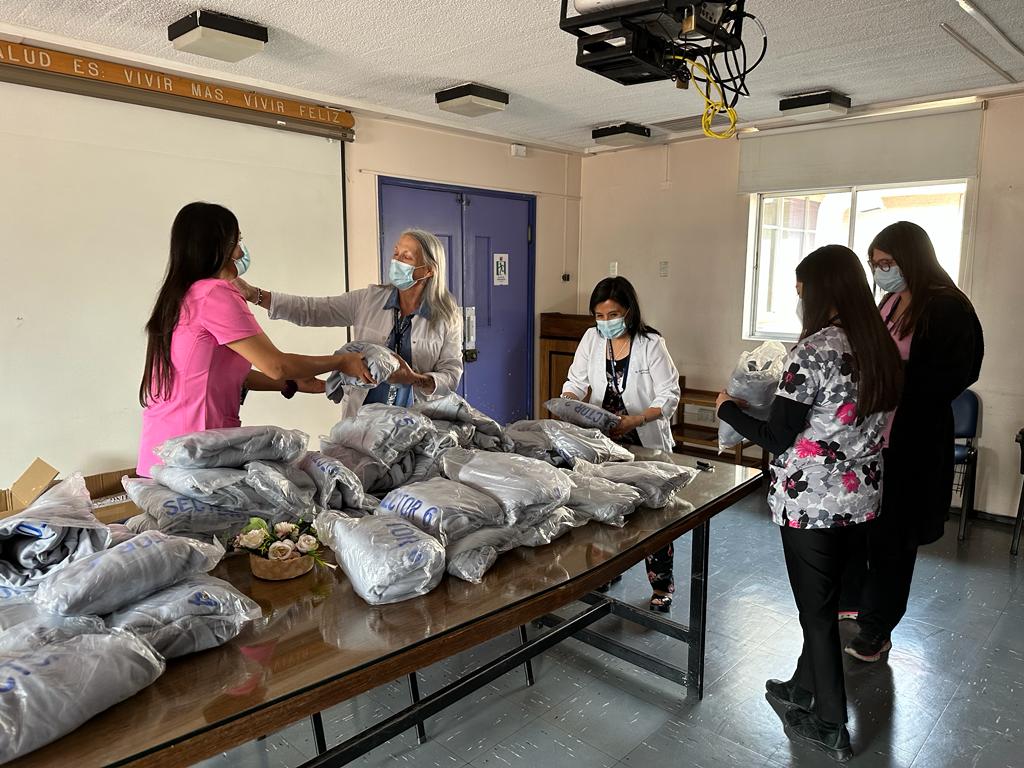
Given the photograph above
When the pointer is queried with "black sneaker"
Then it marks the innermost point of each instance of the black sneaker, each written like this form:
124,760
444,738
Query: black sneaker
789,693
869,648
806,727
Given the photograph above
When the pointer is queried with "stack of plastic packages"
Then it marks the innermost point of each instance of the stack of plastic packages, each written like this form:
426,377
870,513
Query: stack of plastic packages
755,380
561,443
582,414
212,482
452,409
656,481
379,444
88,626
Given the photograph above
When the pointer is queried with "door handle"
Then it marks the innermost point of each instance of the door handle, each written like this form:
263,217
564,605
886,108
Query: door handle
469,355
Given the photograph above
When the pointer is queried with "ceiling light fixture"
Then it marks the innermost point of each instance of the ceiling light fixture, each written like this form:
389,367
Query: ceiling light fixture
970,47
471,100
217,35
990,26
622,135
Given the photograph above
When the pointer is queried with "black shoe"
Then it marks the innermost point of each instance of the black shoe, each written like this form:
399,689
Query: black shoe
806,727
789,693
869,648
604,587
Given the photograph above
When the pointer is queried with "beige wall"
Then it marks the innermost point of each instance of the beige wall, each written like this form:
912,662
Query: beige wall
389,148
680,204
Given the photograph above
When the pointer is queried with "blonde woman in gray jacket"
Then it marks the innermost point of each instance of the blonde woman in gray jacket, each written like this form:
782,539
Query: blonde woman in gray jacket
414,314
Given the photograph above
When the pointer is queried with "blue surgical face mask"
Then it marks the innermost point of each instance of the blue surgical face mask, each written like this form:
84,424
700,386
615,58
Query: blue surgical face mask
611,329
242,264
891,281
400,275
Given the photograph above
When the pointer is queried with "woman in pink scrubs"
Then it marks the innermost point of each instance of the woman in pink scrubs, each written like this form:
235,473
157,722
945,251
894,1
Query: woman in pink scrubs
204,343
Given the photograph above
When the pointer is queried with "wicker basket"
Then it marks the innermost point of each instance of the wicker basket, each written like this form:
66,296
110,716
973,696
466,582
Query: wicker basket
279,570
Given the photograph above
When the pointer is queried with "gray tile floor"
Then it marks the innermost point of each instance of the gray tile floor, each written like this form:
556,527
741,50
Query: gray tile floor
951,693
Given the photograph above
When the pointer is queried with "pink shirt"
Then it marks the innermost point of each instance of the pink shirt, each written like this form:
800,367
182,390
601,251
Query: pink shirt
208,376
902,344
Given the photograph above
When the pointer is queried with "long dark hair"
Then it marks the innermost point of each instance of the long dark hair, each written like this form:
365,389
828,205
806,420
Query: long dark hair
203,237
834,282
912,249
621,291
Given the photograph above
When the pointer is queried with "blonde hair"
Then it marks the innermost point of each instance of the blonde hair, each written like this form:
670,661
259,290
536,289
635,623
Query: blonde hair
438,298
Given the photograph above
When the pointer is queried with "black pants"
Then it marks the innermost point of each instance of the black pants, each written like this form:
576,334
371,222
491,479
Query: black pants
892,553
659,569
815,560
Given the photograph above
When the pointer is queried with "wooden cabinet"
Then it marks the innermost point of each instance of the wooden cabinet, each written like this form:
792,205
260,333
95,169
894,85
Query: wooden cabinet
560,334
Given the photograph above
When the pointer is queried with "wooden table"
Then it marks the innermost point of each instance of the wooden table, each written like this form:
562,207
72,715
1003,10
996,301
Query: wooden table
319,644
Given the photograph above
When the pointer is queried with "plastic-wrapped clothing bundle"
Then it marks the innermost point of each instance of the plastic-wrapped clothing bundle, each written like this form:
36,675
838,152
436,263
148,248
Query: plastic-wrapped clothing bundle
581,414
16,606
233,447
453,407
119,533
380,361
657,481
755,379
107,581
472,556
527,489
218,487
42,628
443,508
462,431
195,614
386,559
384,432
53,532
175,513
376,476
287,489
602,500
571,442
427,456
50,690
556,524
338,487
532,442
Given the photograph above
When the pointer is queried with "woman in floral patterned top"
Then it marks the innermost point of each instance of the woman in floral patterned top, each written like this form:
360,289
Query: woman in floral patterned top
842,380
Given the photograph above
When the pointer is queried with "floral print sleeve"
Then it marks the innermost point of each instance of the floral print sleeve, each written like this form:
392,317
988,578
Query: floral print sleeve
832,474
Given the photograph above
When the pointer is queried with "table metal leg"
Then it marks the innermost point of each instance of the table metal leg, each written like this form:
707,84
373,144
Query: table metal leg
319,738
698,605
525,638
1015,546
414,694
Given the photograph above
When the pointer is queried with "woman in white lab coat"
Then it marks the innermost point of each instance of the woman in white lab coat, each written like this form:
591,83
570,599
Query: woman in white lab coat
626,367
414,314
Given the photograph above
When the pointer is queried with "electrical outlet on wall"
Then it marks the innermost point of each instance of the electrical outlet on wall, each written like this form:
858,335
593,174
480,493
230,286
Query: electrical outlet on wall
613,269
663,268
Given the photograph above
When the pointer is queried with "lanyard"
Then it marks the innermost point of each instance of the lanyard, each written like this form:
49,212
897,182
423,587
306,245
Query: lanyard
400,327
613,378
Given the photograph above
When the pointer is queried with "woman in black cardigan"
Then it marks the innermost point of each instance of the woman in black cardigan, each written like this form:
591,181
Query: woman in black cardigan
938,332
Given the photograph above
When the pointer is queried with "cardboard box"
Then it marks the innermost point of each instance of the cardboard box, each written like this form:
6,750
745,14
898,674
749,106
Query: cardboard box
110,504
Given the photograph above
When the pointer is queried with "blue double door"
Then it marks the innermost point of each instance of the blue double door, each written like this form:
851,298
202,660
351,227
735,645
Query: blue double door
488,243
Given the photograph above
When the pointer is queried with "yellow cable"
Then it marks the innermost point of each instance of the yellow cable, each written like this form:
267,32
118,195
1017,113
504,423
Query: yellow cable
713,107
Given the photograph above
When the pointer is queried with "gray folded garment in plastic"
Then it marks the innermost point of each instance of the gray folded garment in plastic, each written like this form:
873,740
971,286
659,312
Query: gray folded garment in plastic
657,481
380,361
602,500
443,508
232,447
195,614
174,513
472,556
53,532
462,431
338,487
427,456
555,525
16,606
119,532
218,487
533,443
527,489
384,432
455,408
376,476
755,379
581,414
287,489
107,581
571,442
386,559
49,690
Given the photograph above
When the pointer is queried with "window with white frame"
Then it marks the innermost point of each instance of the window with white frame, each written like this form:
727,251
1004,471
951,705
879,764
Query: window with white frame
788,226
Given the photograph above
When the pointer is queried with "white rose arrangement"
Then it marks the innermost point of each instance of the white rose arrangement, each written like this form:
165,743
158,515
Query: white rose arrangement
285,541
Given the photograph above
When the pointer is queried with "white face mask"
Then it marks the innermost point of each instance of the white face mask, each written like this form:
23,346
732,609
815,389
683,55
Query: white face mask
800,310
